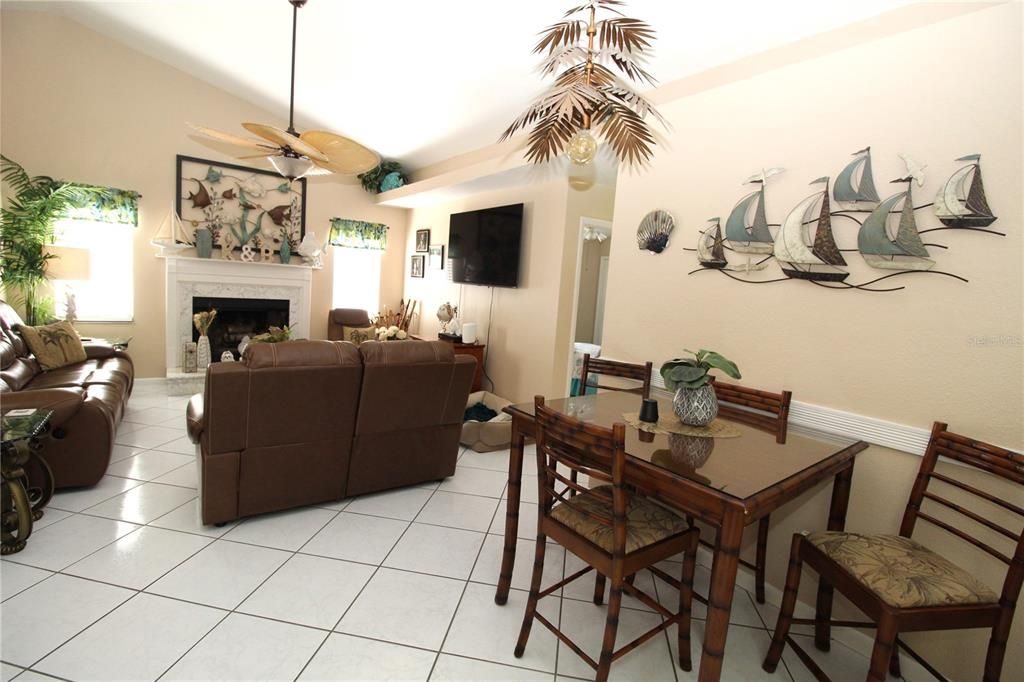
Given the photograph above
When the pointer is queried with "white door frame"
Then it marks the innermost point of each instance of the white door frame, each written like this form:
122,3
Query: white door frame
585,222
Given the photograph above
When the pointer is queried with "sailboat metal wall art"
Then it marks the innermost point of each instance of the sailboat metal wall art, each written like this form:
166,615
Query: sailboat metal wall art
887,239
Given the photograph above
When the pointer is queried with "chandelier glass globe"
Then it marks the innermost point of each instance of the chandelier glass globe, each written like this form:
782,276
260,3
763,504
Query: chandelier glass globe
582,147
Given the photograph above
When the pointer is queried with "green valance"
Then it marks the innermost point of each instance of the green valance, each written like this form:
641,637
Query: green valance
112,205
357,234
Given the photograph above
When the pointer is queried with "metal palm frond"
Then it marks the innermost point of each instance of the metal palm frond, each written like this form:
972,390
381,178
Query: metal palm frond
587,91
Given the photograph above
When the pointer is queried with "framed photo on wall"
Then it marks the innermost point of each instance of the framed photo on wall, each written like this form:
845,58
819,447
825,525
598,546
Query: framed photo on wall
422,240
239,205
436,254
416,268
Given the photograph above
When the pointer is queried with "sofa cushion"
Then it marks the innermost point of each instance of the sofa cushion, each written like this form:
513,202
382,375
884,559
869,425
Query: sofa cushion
19,373
54,345
300,354
357,335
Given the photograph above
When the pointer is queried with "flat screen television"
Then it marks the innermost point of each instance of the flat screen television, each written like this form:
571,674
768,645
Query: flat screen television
483,246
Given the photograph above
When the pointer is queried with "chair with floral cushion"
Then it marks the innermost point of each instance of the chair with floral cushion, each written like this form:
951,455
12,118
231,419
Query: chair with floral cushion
616,531
903,586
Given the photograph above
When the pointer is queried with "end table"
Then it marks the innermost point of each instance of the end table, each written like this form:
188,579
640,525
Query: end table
20,431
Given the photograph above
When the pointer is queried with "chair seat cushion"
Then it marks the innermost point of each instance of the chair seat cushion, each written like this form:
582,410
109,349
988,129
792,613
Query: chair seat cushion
902,572
646,522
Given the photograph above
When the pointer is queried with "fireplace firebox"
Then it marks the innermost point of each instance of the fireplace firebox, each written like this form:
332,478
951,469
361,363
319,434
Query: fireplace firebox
238,318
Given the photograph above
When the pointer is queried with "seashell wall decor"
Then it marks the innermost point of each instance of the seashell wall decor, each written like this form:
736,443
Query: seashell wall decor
654,231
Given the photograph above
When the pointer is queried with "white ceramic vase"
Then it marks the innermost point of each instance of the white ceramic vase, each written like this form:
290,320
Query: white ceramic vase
203,352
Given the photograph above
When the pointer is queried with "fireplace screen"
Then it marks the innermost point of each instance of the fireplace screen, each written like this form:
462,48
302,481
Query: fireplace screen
238,318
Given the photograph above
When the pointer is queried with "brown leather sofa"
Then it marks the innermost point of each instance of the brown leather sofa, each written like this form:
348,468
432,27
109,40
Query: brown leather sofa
87,398
345,317
303,422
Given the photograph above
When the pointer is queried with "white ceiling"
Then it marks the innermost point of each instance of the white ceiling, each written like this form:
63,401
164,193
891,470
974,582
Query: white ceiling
421,81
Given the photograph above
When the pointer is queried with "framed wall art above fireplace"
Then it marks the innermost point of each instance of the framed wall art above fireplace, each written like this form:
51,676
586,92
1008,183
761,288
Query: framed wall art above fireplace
239,205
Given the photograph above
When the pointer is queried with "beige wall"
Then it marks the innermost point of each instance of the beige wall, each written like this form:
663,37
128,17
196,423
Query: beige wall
521,328
910,356
79,106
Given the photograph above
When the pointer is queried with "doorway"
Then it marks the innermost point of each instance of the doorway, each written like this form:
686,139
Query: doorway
593,249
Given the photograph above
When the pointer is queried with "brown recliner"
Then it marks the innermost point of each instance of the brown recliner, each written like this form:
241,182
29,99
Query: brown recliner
88,400
410,414
345,317
303,422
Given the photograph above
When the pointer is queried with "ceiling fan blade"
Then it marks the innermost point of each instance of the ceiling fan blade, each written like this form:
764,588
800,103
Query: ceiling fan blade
233,139
344,156
285,139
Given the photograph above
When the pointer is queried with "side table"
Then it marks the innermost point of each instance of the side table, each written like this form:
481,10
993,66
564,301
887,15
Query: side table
20,431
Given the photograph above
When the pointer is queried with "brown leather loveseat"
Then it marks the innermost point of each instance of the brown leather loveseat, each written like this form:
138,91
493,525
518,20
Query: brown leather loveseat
87,399
303,422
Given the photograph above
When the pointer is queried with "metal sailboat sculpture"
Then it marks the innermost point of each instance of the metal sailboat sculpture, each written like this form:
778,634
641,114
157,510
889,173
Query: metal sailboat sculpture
864,191
801,261
755,237
957,207
710,249
906,251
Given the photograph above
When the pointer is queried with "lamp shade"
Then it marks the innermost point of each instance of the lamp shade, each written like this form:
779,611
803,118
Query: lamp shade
68,263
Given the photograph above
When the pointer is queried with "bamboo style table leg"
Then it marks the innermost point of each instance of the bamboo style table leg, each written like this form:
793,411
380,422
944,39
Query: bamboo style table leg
723,584
17,513
836,521
515,478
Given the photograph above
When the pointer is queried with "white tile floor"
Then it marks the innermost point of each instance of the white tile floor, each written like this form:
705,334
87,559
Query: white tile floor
120,581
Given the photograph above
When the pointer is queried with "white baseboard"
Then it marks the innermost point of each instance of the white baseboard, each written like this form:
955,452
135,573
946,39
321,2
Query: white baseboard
828,422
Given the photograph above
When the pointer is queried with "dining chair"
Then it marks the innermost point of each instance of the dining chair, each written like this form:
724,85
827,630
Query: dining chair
625,370
615,531
903,586
767,411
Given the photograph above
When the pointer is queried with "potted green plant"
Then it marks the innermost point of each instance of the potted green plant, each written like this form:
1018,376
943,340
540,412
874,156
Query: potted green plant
26,228
695,402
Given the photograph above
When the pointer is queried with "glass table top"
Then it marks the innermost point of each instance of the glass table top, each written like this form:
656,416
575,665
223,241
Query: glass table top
15,425
739,466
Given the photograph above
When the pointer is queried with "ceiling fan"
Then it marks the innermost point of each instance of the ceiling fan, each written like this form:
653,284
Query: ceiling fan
294,154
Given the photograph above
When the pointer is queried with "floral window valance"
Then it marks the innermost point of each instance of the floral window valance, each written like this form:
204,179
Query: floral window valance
113,205
357,234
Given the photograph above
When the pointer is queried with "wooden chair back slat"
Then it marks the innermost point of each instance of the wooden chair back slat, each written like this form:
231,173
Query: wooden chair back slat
625,370
992,462
964,536
761,409
988,497
970,514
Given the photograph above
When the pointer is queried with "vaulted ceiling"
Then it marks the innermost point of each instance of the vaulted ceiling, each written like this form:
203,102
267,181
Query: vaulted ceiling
417,80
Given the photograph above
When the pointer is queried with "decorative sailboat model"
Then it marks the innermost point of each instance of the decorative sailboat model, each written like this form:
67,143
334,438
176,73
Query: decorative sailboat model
906,251
801,261
170,236
956,207
754,237
710,250
853,188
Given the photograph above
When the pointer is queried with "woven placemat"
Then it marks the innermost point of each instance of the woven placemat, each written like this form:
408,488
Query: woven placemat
718,428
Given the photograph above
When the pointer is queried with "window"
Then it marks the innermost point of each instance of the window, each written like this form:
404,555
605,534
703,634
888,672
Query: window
357,279
107,295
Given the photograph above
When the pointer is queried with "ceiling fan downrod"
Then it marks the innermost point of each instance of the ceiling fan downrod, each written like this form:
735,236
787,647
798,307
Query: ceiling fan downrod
296,4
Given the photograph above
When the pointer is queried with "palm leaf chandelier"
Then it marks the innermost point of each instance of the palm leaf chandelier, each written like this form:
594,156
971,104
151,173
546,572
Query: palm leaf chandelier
588,95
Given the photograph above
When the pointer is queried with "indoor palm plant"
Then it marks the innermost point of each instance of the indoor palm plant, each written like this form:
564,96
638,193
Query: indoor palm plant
695,402
26,228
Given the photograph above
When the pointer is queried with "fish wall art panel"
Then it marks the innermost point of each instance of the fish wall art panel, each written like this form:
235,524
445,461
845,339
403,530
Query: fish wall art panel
882,233
240,206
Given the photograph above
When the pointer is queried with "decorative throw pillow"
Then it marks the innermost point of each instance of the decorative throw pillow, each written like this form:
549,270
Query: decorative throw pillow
54,345
358,334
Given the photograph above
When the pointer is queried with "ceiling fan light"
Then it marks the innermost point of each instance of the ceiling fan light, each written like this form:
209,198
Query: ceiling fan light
291,167
582,147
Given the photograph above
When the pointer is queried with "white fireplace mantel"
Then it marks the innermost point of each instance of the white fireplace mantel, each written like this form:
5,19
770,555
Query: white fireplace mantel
188,277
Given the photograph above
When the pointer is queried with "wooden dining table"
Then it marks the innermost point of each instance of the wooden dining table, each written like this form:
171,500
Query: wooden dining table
727,483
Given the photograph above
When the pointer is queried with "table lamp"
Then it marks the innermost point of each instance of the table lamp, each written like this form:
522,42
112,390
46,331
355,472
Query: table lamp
68,264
